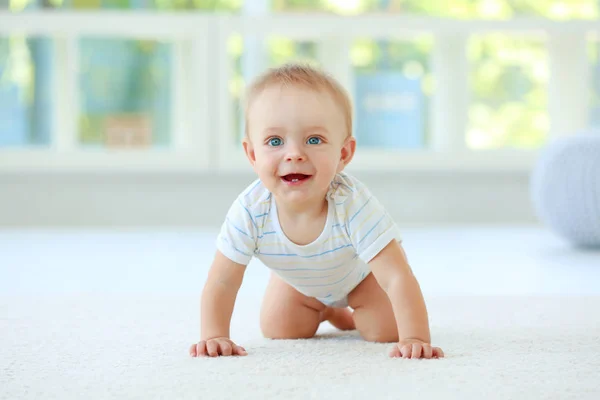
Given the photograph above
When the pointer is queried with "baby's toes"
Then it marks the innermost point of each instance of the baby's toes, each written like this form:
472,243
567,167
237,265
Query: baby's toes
427,351
239,350
395,352
226,349
201,348
437,352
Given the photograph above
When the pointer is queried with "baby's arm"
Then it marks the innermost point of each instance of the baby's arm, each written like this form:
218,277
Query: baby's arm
218,298
394,275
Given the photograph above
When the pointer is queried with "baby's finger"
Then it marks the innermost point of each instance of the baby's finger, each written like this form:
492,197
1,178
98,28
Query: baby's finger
437,352
239,350
192,350
212,348
416,350
201,348
406,350
427,350
225,348
395,352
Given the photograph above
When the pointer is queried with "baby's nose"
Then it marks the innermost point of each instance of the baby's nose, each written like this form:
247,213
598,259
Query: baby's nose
295,157
296,154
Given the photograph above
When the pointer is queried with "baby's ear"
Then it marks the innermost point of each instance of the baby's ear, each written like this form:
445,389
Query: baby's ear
347,152
249,150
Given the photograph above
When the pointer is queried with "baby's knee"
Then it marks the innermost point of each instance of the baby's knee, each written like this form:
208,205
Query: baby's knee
379,335
289,322
278,328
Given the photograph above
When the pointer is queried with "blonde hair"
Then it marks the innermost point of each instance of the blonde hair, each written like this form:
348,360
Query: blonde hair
301,75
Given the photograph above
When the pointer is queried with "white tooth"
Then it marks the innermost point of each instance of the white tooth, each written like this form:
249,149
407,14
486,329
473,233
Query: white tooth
295,180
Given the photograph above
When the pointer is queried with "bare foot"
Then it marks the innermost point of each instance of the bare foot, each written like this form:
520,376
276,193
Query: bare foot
341,318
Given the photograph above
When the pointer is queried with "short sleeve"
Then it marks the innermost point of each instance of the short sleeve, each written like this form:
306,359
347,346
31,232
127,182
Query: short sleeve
237,238
368,224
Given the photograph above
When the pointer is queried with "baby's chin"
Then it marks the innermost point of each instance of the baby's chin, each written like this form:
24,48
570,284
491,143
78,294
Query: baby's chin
309,193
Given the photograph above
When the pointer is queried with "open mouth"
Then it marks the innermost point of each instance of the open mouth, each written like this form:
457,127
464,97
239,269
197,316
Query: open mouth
295,178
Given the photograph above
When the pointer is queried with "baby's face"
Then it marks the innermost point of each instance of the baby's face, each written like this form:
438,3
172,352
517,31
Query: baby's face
297,142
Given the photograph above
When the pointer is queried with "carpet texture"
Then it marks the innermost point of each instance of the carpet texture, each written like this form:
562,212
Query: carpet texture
106,346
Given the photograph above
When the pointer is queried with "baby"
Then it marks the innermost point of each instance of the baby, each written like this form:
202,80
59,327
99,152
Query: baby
329,243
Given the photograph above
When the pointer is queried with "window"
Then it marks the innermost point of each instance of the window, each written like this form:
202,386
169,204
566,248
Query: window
508,88
125,86
392,91
125,92
25,91
508,76
594,57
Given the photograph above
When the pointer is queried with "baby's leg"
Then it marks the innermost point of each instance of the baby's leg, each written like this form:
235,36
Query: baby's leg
373,314
288,314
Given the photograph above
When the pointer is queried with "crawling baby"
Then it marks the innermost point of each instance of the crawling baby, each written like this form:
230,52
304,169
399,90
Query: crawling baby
334,252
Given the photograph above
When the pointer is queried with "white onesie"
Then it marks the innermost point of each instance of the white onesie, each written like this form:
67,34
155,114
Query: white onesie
357,229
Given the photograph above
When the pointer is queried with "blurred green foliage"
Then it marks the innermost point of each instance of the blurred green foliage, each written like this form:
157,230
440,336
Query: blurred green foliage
508,76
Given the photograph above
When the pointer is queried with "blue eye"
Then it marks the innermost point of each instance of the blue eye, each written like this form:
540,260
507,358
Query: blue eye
275,142
314,140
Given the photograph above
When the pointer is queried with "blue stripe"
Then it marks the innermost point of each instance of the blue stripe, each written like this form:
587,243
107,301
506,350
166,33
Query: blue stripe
261,215
278,255
249,215
238,229
371,230
333,283
360,209
311,256
311,277
328,251
235,248
314,269
266,233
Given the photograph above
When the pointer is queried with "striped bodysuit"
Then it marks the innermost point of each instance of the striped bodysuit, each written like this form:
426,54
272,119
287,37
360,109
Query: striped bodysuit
356,230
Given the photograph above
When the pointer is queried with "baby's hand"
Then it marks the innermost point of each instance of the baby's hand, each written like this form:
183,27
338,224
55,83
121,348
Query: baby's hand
217,347
414,348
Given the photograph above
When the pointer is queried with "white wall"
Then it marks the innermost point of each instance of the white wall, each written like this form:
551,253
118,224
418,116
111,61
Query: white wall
109,200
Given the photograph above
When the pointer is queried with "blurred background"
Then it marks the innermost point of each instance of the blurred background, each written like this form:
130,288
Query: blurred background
127,112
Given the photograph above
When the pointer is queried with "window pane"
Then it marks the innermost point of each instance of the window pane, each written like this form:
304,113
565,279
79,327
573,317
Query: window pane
249,59
125,92
25,91
508,92
594,57
205,5
393,86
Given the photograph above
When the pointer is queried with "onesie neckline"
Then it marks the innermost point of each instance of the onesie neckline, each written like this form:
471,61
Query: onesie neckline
322,236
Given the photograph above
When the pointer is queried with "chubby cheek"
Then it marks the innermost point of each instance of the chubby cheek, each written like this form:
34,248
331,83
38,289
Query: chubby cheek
266,168
327,165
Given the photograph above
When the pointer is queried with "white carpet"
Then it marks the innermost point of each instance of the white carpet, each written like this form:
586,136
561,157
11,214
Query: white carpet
135,346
